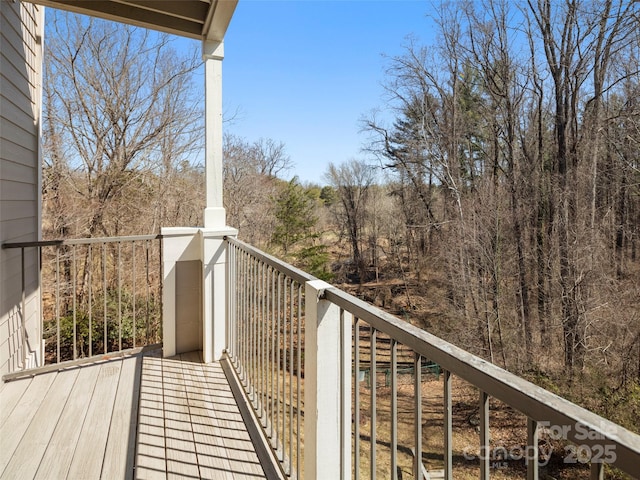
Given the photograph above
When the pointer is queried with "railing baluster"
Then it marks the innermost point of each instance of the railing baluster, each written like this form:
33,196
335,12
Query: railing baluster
249,332
262,337
240,311
417,399
374,400
272,389
159,333
597,471
58,304
298,377
23,313
119,263
104,294
356,397
133,292
531,453
90,262
255,314
484,436
252,328
256,357
241,318
231,304
258,327
238,307
271,345
394,409
448,427
245,317
245,323
343,413
75,305
147,317
259,332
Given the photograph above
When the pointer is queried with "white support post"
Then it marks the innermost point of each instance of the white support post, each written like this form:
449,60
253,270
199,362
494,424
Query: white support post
209,247
213,54
178,244
207,244
214,315
327,387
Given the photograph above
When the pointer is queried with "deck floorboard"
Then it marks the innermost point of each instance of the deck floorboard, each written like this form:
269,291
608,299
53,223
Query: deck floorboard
62,444
18,422
140,416
24,463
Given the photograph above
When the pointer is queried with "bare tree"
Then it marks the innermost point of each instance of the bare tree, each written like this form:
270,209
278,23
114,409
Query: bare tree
271,158
352,181
506,87
521,159
250,185
121,101
579,41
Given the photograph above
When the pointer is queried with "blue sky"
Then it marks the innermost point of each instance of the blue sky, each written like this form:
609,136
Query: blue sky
304,72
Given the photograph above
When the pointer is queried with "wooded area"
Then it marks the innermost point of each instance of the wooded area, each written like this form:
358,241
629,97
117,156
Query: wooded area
500,210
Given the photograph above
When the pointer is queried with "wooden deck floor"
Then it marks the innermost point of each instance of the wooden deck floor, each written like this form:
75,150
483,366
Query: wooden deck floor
132,417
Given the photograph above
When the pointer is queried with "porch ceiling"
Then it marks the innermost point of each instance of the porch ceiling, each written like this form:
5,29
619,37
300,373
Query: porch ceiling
199,19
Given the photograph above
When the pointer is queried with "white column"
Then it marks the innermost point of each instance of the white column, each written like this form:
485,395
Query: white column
212,54
328,376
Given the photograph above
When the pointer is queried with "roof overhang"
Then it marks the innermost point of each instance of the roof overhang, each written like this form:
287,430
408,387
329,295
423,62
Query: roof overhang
198,19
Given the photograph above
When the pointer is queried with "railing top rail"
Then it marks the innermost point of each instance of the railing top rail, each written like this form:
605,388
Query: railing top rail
535,402
289,270
81,241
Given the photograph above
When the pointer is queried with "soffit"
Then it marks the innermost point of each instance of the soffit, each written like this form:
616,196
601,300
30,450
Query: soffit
199,19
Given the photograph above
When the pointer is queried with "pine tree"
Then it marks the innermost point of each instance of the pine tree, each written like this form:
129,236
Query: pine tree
294,215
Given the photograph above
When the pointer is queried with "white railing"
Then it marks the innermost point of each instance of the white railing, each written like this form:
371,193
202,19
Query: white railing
299,346
99,295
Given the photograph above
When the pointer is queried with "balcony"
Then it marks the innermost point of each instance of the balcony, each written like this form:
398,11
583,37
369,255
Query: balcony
280,376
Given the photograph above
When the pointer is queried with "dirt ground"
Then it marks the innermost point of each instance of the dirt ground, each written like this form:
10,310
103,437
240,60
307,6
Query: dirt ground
507,433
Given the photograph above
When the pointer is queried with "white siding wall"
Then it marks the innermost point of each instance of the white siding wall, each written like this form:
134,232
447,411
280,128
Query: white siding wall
21,31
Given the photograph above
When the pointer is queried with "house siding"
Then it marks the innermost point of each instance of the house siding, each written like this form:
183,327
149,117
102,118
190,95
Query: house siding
21,32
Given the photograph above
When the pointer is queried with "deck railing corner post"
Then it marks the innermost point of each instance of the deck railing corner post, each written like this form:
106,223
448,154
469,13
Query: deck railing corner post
178,244
214,291
327,387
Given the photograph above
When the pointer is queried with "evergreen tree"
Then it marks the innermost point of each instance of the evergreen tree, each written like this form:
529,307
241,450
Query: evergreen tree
295,216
